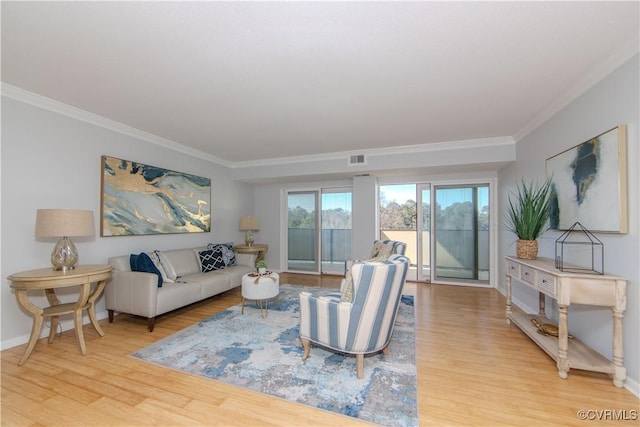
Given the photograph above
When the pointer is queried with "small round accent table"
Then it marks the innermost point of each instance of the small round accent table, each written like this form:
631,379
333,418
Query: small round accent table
261,288
49,280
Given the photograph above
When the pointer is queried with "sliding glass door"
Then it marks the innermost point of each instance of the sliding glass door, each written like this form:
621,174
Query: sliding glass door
336,229
318,230
461,225
302,231
446,229
424,236
404,216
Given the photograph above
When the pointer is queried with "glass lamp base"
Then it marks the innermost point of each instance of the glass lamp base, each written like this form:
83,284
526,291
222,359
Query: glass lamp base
65,255
248,238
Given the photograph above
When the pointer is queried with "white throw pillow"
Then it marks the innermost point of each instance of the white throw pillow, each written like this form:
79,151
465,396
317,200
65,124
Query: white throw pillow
346,287
347,283
155,257
381,249
168,268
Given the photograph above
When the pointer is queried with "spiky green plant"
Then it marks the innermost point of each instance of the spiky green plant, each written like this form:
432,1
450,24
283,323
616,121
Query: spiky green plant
528,215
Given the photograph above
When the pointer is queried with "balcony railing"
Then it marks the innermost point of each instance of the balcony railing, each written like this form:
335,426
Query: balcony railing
336,244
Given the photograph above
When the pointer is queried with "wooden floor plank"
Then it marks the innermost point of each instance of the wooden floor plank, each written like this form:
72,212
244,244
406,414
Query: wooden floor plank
473,369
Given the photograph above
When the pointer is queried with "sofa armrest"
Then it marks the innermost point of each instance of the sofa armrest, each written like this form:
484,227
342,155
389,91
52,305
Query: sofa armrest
132,292
246,259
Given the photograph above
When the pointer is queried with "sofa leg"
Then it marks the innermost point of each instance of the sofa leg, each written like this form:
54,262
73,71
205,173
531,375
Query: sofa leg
360,365
151,321
110,316
306,344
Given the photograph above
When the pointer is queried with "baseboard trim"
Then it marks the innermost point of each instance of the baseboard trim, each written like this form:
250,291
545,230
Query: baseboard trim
65,325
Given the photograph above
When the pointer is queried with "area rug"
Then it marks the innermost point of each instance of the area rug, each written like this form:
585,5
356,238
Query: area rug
264,355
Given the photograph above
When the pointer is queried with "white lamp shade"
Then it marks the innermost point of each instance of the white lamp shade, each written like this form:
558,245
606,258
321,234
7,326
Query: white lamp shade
64,223
249,223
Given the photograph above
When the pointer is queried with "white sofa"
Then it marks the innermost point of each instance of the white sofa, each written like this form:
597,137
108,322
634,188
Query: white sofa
137,293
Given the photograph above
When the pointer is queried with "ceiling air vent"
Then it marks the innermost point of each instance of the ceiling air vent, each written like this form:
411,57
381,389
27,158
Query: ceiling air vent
357,159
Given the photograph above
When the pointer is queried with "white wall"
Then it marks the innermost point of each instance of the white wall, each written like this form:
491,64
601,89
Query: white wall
613,101
50,160
365,209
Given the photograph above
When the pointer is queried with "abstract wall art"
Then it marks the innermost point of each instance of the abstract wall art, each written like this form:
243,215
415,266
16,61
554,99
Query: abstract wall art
589,184
140,199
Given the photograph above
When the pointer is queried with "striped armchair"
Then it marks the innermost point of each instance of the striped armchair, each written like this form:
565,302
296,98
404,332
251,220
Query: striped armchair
381,247
363,325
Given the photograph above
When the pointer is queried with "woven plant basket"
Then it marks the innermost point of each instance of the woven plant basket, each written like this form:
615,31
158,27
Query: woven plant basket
527,249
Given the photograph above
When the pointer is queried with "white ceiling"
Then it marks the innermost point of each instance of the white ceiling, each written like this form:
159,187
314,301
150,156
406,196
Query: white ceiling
255,80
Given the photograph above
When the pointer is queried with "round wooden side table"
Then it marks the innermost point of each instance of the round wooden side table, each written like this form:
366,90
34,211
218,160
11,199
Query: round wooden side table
257,248
49,280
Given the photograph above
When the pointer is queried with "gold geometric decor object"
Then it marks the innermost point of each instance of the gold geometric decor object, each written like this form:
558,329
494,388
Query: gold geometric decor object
579,251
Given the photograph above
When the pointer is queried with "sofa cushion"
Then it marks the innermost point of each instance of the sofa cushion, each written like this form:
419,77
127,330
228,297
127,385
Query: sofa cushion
179,262
167,267
236,272
212,283
210,260
142,262
176,295
228,252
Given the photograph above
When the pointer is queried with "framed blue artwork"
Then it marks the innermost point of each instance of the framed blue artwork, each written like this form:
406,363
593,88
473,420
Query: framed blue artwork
589,184
139,199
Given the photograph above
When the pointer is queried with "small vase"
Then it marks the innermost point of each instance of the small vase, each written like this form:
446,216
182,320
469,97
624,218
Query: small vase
527,249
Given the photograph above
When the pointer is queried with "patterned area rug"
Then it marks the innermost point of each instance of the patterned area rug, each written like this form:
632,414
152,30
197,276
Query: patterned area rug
264,355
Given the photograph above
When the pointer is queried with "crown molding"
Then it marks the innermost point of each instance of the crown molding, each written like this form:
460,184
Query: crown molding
387,151
625,52
40,101
463,144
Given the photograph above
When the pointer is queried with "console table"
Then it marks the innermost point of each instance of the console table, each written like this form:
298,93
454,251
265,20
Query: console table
570,288
49,280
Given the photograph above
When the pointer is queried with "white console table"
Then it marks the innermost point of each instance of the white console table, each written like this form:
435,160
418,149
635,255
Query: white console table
570,288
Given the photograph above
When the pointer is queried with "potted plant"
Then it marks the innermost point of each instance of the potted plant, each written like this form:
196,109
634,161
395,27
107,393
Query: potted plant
261,266
527,216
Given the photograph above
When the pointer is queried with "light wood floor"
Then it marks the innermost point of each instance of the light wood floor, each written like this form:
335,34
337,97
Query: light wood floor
473,369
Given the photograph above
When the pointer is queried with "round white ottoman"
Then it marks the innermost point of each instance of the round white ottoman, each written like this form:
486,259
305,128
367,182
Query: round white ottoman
260,288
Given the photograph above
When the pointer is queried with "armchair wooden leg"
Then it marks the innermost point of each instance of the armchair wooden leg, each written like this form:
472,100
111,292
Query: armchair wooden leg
385,350
360,365
306,344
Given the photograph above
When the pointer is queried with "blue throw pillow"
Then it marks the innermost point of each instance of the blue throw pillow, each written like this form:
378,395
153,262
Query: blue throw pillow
143,262
228,252
211,260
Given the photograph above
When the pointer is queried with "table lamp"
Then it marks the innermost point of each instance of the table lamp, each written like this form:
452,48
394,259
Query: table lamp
249,224
64,223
